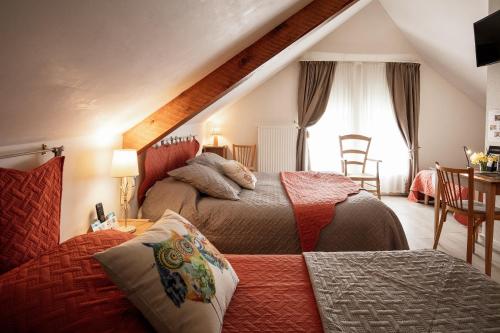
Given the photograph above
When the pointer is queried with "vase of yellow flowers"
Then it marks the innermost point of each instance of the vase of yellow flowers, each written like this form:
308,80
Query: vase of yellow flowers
483,160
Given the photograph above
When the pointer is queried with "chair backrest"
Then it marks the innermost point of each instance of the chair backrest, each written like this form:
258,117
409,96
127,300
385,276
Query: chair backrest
245,154
452,185
362,153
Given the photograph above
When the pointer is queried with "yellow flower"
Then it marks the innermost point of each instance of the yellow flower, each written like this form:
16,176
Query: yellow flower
492,158
478,158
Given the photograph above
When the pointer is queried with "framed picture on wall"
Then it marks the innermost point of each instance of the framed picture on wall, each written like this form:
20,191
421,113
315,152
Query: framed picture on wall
493,125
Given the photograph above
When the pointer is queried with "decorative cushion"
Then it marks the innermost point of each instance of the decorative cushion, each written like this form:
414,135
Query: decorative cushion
30,210
240,174
66,290
208,181
174,276
210,160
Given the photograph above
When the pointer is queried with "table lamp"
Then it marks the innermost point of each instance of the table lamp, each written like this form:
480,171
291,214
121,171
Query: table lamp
215,132
124,165
467,152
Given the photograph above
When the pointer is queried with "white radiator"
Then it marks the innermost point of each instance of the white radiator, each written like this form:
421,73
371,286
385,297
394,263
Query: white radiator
276,149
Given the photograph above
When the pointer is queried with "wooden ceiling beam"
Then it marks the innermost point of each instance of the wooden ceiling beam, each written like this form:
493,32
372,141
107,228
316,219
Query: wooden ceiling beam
220,81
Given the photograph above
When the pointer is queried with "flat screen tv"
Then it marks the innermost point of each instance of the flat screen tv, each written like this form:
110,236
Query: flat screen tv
487,36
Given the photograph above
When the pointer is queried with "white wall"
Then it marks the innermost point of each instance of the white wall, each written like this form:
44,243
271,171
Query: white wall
493,80
448,118
86,178
272,103
493,102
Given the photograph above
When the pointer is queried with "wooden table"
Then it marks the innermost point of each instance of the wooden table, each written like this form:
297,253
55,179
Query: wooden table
219,150
489,184
140,225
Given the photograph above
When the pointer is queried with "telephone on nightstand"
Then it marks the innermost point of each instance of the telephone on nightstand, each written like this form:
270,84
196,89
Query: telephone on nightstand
103,222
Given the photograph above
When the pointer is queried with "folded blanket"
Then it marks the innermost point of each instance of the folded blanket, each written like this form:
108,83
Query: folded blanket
313,196
402,291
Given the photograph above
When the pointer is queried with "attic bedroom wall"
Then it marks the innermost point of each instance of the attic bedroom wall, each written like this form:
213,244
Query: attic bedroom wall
448,118
493,80
493,103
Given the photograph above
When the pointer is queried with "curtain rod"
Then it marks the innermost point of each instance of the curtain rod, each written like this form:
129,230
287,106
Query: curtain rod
57,151
359,57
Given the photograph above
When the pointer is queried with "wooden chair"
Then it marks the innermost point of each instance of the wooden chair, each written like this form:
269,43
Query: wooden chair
245,154
451,182
363,154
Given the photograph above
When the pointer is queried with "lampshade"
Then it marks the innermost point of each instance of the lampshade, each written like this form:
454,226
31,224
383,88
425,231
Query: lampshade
124,163
215,131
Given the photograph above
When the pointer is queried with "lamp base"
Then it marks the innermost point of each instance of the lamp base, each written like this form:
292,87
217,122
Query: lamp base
126,228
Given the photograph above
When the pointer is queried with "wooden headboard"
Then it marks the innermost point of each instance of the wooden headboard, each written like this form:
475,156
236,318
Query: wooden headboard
166,156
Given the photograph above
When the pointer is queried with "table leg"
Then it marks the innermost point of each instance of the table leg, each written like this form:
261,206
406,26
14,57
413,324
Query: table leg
437,205
490,220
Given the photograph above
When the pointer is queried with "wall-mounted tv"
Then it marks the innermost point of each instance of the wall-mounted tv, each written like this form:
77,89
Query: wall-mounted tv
487,35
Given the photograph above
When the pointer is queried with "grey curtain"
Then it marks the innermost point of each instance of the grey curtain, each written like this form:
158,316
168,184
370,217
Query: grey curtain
403,80
315,83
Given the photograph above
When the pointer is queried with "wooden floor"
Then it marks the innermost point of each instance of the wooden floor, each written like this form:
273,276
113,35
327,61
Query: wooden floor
418,223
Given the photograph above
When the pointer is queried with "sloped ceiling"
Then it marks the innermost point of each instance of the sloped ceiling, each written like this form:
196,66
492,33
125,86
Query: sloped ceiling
69,68
442,33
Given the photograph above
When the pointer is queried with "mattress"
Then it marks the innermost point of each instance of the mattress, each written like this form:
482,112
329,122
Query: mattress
66,290
263,222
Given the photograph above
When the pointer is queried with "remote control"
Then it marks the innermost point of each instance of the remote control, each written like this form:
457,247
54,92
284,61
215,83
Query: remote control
100,212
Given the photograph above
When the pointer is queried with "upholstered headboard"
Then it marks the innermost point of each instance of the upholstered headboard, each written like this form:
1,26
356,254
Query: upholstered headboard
158,161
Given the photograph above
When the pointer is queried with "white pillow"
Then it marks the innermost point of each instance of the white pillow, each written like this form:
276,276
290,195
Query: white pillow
174,276
239,174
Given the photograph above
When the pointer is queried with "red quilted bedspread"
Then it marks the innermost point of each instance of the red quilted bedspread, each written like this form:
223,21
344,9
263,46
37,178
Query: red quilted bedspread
424,184
65,290
274,295
313,196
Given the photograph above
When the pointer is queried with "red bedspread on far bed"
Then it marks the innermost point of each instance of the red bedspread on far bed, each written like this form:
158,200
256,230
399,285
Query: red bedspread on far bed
424,184
66,290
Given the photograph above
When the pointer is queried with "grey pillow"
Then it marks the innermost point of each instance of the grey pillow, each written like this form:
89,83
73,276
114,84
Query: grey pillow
215,162
210,160
207,181
169,193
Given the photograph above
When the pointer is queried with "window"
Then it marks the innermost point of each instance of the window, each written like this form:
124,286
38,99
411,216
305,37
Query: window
360,103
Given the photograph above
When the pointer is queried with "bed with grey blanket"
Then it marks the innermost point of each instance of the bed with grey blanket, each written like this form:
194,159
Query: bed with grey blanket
402,291
262,221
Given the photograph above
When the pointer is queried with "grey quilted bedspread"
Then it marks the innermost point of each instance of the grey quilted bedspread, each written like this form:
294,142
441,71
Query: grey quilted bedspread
402,291
262,221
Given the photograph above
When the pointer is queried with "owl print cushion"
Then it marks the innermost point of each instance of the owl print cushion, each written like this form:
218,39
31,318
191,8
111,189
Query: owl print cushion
174,276
240,174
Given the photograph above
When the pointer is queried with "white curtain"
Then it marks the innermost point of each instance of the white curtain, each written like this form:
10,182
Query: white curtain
360,103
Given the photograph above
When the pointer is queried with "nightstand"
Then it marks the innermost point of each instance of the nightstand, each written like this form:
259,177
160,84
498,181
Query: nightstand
219,150
140,225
